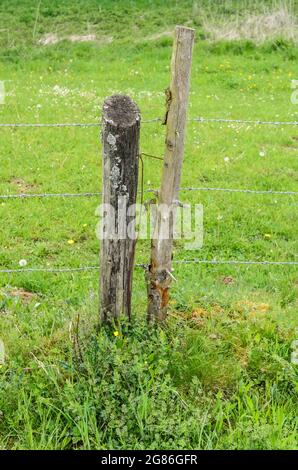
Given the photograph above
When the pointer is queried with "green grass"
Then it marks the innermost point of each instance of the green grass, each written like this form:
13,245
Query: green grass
219,376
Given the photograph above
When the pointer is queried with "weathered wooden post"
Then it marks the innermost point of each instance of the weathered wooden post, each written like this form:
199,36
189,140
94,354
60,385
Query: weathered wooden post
159,276
120,137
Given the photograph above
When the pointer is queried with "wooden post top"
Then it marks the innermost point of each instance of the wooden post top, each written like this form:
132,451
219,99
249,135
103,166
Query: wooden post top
184,27
120,111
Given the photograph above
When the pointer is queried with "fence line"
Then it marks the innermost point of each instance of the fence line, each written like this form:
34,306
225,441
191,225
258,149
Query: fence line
45,195
66,124
250,191
73,124
245,121
92,194
236,262
146,121
145,266
48,270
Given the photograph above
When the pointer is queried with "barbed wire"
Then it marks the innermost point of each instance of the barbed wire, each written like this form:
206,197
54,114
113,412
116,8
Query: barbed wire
251,191
66,124
58,270
236,262
50,195
145,266
146,121
92,194
45,195
48,270
245,121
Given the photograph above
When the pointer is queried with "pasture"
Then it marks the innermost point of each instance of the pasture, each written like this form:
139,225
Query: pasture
219,374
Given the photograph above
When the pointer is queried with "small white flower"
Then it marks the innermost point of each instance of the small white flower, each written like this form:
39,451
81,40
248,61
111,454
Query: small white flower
23,263
262,153
226,159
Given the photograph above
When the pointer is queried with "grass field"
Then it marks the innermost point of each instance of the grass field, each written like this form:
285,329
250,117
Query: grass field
219,375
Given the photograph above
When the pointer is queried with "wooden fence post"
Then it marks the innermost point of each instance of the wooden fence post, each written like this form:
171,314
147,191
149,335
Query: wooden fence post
120,138
159,275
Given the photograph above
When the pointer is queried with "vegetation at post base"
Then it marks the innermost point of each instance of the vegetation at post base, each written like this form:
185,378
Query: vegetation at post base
174,388
219,375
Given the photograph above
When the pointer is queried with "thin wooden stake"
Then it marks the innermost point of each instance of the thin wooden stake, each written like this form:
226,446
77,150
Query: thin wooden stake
120,136
158,276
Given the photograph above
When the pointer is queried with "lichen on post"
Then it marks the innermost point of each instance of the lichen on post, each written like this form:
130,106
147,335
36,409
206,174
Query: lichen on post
120,138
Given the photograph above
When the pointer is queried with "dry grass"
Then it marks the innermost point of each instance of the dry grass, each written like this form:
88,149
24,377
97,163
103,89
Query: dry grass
53,38
257,27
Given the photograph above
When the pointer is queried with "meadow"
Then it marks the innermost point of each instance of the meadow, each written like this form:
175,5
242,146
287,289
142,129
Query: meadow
219,374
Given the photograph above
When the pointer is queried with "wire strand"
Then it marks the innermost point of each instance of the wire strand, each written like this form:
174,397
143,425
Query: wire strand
146,121
66,124
145,266
250,191
236,262
92,194
245,121
45,195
